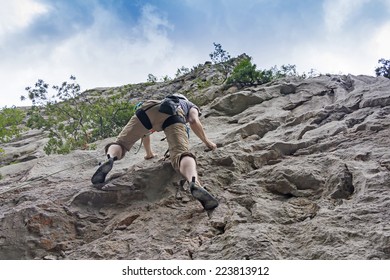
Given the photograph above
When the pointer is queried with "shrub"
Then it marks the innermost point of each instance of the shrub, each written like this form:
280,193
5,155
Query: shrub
182,71
10,123
73,119
151,79
291,71
221,59
245,74
166,78
219,55
285,71
1,155
383,70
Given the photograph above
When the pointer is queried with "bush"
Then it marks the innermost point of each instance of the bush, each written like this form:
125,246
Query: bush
74,120
221,59
245,74
151,79
10,123
285,71
182,71
383,70
219,55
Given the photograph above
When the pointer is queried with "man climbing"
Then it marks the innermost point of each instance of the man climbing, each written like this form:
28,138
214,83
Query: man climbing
169,116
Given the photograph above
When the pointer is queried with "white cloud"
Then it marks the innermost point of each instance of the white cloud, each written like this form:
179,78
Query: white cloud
354,54
109,52
18,14
340,50
337,12
380,42
104,54
104,59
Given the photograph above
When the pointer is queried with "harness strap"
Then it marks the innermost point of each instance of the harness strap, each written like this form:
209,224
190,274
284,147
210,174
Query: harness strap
144,119
172,120
141,115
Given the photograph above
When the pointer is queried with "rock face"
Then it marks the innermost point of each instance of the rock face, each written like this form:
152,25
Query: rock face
302,171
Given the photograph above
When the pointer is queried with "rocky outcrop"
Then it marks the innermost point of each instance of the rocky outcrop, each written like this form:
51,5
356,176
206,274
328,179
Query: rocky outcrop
302,171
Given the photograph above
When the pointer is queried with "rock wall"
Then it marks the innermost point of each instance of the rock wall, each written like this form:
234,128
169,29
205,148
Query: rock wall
302,171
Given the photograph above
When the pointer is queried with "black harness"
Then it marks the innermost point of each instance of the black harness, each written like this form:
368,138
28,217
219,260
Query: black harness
172,120
144,119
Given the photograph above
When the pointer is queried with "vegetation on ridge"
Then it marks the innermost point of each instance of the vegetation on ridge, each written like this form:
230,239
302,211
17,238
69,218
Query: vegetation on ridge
74,119
384,69
10,125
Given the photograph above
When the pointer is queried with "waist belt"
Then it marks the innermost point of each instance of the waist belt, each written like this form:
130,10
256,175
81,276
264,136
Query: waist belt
172,120
144,119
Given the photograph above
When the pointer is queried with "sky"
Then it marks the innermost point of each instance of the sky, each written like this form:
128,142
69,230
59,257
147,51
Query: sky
106,43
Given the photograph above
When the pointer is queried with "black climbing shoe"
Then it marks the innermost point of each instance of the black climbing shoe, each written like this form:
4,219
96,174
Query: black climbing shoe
205,198
101,173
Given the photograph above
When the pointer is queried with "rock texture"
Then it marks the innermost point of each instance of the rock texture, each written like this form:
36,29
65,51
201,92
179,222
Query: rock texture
302,171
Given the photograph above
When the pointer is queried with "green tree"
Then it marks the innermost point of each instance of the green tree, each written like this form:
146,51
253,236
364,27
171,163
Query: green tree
166,78
11,120
219,55
245,74
384,69
221,58
285,71
182,71
151,79
73,119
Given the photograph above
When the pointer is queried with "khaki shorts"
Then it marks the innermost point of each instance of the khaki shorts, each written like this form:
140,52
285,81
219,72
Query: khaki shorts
176,134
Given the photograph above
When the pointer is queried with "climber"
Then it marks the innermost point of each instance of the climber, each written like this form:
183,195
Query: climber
170,116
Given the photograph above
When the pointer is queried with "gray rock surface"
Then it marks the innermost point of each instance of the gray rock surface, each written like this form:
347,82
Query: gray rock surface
302,171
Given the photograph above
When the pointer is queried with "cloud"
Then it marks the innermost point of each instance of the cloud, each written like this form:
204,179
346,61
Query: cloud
103,57
17,15
356,53
338,12
108,52
351,39
380,41
111,43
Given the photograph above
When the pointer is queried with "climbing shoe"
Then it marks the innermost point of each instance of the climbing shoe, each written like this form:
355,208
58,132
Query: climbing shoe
101,173
205,198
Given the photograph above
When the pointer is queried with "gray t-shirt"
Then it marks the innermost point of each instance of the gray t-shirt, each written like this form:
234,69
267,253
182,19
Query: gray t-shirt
186,106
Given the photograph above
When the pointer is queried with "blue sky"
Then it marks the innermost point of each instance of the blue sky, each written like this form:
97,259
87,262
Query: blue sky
116,42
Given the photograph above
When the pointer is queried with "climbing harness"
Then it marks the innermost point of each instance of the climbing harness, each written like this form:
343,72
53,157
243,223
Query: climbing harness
169,105
144,119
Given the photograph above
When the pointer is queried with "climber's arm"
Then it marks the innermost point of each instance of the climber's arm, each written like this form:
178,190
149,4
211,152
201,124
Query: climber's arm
197,128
